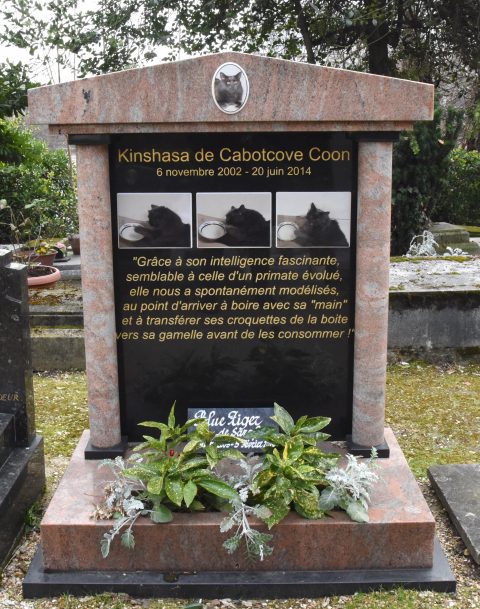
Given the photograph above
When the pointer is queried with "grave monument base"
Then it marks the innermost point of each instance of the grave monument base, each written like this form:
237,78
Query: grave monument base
240,585
185,558
22,480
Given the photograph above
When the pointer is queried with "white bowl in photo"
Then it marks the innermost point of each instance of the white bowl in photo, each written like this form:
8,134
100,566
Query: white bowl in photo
212,230
128,232
287,231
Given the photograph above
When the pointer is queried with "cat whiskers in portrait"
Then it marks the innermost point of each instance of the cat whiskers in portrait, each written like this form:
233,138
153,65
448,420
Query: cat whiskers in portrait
229,90
246,227
319,230
166,229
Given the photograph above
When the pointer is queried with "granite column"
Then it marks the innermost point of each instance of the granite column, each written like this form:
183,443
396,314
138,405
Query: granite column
371,298
98,296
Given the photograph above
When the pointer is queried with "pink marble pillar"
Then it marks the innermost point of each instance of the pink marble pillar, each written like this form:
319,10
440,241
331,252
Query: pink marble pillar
371,306
98,295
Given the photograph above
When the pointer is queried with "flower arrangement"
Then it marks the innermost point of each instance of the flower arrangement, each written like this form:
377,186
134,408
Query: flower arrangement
179,471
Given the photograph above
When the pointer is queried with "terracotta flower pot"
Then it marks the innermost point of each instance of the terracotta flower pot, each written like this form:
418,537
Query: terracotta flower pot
74,241
43,276
44,259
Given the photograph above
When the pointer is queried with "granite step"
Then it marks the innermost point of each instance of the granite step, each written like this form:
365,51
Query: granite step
7,436
22,479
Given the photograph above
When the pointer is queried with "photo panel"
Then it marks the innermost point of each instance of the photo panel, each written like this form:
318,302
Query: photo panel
234,219
154,220
230,88
313,219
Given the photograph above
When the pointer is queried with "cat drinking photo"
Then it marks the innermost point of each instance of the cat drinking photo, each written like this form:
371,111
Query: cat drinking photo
225,221
324,222
154,220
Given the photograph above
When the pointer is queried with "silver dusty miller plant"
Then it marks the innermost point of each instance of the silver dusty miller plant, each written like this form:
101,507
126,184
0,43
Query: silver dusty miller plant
256,543
349,487
122,504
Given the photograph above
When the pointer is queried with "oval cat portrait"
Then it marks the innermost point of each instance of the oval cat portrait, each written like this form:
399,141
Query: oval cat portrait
230,88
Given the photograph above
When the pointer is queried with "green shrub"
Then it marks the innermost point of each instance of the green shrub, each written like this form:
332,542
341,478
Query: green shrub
459,202
30,171
420,165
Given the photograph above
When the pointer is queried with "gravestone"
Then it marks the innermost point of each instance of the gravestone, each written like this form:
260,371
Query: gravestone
235,253
458,488
22,469
454,237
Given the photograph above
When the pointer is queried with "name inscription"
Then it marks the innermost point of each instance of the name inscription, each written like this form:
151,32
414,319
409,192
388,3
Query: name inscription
236,422
9,397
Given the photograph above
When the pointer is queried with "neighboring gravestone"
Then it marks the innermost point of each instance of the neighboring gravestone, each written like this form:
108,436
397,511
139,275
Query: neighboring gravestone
22,469
458,487
453,237
235,253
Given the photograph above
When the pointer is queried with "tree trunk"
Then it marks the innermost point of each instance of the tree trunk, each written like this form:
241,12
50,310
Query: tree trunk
303,25
377,38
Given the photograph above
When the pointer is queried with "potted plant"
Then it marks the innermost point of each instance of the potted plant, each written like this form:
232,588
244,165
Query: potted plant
38,252
29,249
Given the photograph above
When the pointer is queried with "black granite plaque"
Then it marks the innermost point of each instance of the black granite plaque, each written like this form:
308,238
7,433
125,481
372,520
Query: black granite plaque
234,258
236,422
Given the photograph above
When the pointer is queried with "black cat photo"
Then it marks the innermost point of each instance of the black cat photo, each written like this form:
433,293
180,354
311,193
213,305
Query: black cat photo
228,90
165,229
245,228
320,230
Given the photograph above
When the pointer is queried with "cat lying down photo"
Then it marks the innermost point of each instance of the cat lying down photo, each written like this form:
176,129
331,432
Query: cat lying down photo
315,229
164,228
240,227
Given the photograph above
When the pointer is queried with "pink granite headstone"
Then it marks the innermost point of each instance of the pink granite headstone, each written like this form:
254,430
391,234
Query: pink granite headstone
134,132
189,97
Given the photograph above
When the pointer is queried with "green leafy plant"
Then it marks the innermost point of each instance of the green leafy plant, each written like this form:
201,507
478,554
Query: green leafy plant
177,474
167,473
459,200
420,166
176,471
25,234
294,467
29,172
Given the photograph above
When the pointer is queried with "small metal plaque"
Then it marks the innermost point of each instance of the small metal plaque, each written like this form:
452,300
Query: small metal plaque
236,422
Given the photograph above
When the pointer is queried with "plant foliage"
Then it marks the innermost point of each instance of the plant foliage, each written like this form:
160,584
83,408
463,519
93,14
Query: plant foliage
30,172
169,473
459,201
420,166
293,467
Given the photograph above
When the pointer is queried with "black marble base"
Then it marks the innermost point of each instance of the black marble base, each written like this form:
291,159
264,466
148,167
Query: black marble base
7,436
22,480
383,450
93,452
278,584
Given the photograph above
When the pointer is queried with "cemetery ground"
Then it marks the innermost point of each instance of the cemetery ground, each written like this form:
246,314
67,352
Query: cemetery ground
434,411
